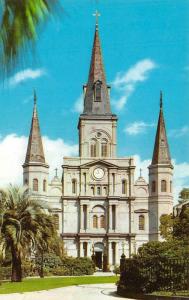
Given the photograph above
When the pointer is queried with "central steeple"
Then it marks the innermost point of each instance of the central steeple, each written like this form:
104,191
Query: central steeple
96,98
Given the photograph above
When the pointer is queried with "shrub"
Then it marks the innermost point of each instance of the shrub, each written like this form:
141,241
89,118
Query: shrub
156,266
29,268
66,266
50,260
5,273
78,266
116,270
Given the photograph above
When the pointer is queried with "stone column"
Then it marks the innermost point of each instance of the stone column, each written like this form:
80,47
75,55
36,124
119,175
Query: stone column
115,216
133,245
117,257
110,253
110,217
81,249
89,249
81,217
87,216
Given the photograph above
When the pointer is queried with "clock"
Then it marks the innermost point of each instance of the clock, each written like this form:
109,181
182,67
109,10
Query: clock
98,173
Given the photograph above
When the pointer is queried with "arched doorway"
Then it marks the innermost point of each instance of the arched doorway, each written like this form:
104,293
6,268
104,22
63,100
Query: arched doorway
98,251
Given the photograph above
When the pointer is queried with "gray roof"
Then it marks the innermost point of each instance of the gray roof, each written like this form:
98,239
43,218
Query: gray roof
161,154
35,151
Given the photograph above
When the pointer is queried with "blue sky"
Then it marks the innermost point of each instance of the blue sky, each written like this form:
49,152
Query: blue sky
145,49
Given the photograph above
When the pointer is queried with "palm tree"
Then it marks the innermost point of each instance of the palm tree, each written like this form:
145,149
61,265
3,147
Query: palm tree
19,23
24,226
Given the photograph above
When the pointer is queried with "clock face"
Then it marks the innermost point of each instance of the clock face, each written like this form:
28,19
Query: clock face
98,173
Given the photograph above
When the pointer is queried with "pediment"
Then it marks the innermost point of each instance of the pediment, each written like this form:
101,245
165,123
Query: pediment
99,162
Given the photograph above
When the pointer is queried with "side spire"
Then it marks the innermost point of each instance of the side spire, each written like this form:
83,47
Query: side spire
35,151
161,154
96,99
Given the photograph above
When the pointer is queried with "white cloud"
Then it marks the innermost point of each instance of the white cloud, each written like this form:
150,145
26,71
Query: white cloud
125,83
180,178
78,105
25,75
13,151
179,132
143,165
137,127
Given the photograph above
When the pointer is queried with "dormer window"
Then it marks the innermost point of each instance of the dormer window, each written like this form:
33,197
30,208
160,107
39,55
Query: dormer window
97,91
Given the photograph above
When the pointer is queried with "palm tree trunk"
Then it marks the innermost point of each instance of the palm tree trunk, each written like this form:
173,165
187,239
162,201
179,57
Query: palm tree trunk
16,266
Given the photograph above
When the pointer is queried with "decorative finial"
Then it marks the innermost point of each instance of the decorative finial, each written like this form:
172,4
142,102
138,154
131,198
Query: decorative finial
161,99
56,172
34,97
96,15
140,172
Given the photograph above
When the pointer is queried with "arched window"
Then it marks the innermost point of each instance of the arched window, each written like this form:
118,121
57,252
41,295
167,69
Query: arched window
163,186
105,190
98,91
104,148
56,221
44,185
170,186
74,186
93,148
102,222
95,221
98,190
124,186
141,223
153,186
35,184
92,190
26,182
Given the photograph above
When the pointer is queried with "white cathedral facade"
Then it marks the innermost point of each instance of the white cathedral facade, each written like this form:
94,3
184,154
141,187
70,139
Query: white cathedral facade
97,205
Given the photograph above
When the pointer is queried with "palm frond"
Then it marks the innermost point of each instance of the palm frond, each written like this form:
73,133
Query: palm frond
19,24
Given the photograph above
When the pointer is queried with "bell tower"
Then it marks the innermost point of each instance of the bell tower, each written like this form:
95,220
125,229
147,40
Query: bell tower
97,125
160,179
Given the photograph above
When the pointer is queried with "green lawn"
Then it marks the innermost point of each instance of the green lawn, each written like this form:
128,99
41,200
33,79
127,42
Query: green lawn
38,284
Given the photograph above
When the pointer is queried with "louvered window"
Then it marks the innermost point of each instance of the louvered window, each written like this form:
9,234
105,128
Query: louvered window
98,92
141,222
35,185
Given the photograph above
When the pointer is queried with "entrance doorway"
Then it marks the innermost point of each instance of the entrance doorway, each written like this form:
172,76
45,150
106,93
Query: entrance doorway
98,254
98,259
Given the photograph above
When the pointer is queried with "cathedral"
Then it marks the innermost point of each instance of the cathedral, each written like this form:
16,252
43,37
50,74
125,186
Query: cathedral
97,205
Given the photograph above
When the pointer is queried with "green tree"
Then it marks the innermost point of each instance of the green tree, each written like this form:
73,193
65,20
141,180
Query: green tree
157,250
24,227
19,23
166,226
184,195
181,225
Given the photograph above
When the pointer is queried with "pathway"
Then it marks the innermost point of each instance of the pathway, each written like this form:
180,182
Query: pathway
81,292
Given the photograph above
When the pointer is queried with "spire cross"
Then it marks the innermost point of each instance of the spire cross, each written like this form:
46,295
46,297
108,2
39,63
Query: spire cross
140,172
35,97
56,172
161,99
96,15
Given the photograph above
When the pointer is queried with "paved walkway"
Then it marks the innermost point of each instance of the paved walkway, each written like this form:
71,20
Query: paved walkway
81,292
